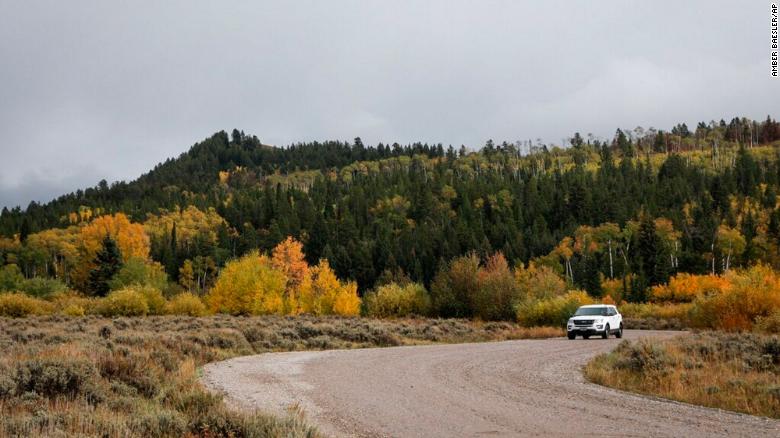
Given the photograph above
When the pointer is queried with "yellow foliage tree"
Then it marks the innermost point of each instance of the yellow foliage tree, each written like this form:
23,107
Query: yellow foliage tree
539,282
731,243
187,275
329,295
249,285
61,247
191,224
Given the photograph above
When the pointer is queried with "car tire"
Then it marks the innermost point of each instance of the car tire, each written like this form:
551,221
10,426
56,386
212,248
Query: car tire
619,333
571,335
605,335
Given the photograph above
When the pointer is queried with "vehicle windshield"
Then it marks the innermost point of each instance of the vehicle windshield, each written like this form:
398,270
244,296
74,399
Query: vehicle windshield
591,311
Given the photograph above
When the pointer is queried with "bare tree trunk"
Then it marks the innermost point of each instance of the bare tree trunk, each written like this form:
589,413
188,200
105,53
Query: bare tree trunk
712,248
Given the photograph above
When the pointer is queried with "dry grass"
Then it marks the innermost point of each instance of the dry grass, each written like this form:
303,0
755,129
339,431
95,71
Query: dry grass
738,372
92,376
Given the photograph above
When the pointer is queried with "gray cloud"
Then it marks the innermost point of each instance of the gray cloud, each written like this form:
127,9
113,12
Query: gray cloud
94,90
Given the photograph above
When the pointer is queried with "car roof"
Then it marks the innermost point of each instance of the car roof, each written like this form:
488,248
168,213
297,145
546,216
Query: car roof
597,305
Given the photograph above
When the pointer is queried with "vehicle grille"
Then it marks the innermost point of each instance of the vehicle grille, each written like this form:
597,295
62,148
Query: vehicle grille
583,322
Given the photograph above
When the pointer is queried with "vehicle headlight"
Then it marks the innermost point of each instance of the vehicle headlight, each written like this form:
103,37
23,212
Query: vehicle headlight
599,320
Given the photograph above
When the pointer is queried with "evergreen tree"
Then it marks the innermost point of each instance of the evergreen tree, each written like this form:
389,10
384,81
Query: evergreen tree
652,256
108,262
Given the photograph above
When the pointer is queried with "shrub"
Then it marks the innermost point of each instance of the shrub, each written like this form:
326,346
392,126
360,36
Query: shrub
753,294
769,324
394,300
613,288
137,271
186,304
554,311
73,304
642,356
684,288
10,277
679,311
125,302
42,287
159,423
539,282
154,299
74,310
454,287
497,292
17,305
52,377
132,370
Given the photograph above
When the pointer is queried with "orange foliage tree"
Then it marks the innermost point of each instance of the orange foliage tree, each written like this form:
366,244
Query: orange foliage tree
130,238
288,258
281,284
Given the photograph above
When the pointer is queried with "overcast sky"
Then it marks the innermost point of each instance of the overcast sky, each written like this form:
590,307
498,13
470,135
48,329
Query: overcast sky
105,89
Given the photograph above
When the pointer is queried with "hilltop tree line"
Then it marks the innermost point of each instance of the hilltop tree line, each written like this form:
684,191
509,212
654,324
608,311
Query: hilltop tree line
625,210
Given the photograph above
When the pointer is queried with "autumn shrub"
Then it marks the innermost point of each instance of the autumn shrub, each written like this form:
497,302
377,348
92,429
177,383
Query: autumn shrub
454,287
669,311
72,304
684,288
154,299
539,282
753,294
769,324
497,290
186,304
125,302
614,289
552,311
17,305
393,300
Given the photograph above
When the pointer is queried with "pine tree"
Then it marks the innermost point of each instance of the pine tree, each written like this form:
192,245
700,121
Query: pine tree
108,262
651,253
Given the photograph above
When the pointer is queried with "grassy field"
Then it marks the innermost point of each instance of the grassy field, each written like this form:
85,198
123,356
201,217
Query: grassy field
733,371
91,376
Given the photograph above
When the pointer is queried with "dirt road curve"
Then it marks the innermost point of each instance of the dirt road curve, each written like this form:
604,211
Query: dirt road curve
499,389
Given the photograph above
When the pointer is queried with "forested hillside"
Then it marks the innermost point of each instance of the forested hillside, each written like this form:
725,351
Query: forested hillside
635,209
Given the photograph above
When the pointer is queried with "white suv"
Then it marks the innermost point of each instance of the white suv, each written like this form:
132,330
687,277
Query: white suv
597,319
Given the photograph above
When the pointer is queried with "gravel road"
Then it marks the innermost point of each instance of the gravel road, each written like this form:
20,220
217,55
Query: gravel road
496,389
